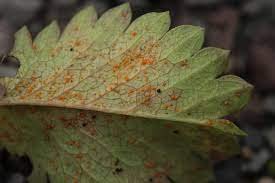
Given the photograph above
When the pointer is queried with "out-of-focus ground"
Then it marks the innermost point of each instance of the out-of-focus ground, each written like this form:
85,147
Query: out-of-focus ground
247,27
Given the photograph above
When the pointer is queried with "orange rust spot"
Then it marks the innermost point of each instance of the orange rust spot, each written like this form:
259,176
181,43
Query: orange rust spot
116,67
111,87
38,95
78,96
147,61
73,143
133,34
61,98
30,89
68,79
82,114
168,105
150,164
159,174
77,43
209,123
126,78
174,97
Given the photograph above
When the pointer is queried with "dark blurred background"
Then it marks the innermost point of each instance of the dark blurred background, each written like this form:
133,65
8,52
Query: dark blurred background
244,26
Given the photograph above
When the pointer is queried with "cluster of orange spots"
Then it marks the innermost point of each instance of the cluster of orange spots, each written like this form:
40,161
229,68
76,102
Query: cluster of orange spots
30,89
38,95
111,87
68,122
55,51
168,106
68,78
148,92
133,34
150,164
147,61
73,143
116,67
174,97
77,96
82,114
61,98
209,123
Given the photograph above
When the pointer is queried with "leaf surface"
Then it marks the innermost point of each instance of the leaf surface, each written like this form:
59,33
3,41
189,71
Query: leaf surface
109,101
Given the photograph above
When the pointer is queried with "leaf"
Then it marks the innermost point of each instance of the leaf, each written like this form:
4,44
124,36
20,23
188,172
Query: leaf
106,101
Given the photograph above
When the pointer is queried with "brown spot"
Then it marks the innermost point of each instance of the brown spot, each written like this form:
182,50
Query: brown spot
77,43
73,143
126,78
61,98
209,123
238,94
132,140
174,97
184,64
133,34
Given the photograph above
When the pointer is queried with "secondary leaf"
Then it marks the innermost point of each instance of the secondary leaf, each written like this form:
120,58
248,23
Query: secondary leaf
137,103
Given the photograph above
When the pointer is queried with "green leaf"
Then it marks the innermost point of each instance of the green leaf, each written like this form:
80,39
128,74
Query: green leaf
109,102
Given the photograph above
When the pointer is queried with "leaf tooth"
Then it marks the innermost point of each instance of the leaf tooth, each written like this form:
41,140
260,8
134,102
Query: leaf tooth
80,23
23,51
214,99
47,37
149,26
181,42
111,25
